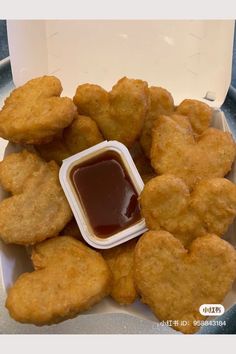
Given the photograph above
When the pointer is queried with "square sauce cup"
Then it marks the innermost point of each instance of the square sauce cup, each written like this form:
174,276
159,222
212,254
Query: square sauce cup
74,193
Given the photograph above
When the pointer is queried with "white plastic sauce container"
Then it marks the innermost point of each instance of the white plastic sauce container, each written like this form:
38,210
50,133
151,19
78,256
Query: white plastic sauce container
82,220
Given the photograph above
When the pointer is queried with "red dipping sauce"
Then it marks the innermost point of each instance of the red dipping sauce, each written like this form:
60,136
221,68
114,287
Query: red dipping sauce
106,193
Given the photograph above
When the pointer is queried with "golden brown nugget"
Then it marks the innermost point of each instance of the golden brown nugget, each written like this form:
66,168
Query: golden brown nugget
142,162
39,210
167,203
80,135
34,113
16,168
175,282
73,230
160,102
176,151
121,262
119,113
69,278
199,114
56,150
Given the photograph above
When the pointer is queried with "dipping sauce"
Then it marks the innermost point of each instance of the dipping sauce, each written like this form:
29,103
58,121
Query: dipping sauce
106,193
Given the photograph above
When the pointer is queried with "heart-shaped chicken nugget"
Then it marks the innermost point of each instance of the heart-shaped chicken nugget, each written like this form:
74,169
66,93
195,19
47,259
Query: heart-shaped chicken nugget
142,163
121,263
38,208
199,114
81,134
167,203
16,168
160,102
175,282
175,150
120,113
34,113
69,278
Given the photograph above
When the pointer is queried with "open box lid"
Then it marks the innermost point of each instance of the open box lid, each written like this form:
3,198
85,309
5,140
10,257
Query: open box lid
192,59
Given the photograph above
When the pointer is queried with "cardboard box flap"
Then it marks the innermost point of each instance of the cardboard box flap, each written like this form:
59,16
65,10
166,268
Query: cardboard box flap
192,59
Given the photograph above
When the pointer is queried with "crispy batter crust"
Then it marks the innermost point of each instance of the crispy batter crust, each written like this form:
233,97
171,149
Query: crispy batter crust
69,278
160,102
120,113
39,210
176,151
55,150
121,261
15,169
73,230
80,135
175,282
167,203
142,162
34,113
199,114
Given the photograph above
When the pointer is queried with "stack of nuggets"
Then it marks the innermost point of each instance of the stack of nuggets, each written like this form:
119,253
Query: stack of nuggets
187,204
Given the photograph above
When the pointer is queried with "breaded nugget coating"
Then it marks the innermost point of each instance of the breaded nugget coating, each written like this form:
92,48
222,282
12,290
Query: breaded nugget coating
175,282
55,150
160,102
142,162
34,113
167,203
72,229
39,211
214,200
199,114
80,135
176,151
121,262
69,278
119,113
15,169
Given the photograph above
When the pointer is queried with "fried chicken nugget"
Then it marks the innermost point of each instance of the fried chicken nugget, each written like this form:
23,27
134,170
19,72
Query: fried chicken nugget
39,210
175,282
119,113
214,201
34,113
80,135
73,230
69,278
199,114
56,150
15,169
161,102
142,162
176,151
167,203
120,260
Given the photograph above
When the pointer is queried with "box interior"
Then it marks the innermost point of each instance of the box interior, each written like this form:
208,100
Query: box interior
15,260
